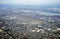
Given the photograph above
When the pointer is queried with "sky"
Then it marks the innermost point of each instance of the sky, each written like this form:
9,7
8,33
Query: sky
30,2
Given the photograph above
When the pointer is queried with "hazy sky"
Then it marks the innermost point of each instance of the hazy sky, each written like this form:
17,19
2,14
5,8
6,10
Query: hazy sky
29,2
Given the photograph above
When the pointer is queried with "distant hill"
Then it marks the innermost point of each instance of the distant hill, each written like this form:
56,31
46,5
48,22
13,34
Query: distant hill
52,8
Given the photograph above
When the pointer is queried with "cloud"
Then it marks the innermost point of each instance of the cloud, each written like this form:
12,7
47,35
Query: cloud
30,2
